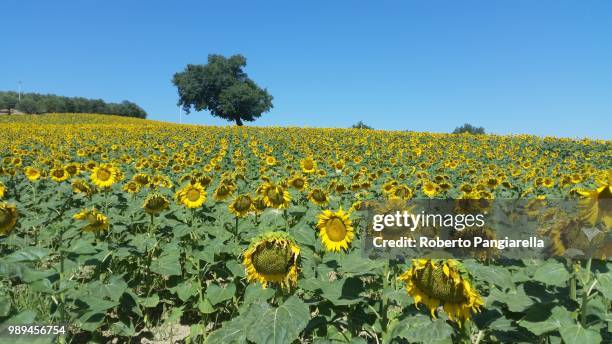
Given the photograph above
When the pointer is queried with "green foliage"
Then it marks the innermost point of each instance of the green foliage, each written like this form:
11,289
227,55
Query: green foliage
223,88
470,129
34,103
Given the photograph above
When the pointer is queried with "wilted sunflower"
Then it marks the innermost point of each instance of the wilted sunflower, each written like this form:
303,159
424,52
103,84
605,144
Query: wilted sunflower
8,218
32,173
59,174
97,222
259,205
104,175
442,284
191,196
308,165
335,229
275,195
155,203
241,206
272,258
318,197
596,205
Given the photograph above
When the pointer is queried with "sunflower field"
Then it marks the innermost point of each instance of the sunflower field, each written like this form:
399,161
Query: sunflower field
130,230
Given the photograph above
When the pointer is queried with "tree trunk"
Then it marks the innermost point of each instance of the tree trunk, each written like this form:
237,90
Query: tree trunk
238,122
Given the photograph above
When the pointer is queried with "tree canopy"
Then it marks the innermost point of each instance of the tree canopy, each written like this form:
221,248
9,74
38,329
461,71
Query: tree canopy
361,125
470,129
222,88
34,103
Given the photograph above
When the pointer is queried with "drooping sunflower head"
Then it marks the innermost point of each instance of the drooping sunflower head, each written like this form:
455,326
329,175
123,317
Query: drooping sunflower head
191,196
96,221
595,205
318,196
155,203
272,258
442,284
132,187
142,179
8,218
104,175
259,204
241,206
335,230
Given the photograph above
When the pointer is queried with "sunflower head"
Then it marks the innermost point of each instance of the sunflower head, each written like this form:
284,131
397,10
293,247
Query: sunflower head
105,175
275,195
335,230
59,174
8,218
81,186
96,221
191,196
222,192
155,203
318,196
298,182
272,258
308,165
242,205
132,187
32,173
595,205
442,284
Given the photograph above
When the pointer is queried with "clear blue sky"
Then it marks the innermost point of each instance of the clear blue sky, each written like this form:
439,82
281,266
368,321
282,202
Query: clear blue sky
539,67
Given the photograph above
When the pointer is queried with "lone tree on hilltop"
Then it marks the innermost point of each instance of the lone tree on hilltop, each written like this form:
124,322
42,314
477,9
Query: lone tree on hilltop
223,88
470,129
361,125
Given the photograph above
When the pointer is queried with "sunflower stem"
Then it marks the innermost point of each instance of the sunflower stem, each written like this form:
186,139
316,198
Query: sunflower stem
586,292
572,281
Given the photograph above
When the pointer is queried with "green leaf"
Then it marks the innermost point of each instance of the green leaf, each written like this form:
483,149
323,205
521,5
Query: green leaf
516,300
217,294
552,273
279,325
576,334
343,292
490,273
186,290
206,307
255,292
168,262
540,320
420,329
150,302
604,285
28,254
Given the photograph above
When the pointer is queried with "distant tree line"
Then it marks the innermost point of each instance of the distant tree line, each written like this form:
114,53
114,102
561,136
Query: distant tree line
34,103
361,125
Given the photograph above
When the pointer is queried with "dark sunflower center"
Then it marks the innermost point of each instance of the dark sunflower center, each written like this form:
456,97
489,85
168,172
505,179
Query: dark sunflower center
434,283
319,195
4,216
336,230
308,165
298,183
58,173
193,195
242,204
103,174
155,203
272,259
222,190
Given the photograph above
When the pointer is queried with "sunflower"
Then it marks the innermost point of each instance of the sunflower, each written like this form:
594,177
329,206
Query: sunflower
191,196
259,205
222,192
272,258
80,186
242,205
270,160
2,190
430,189
308,165
275,195
298,182
97,221
142,179
105,175
155,203
72,168
335,229
59,174
596,205
8,218
318,197
132,187
435,284
32,173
